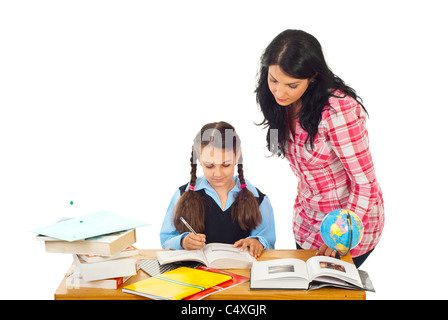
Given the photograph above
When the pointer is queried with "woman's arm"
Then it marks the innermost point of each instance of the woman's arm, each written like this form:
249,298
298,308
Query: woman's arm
349,139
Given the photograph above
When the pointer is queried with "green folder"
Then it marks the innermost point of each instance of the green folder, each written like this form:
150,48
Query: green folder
92,225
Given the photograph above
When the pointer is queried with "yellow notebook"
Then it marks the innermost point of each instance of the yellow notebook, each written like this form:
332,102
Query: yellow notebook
176,284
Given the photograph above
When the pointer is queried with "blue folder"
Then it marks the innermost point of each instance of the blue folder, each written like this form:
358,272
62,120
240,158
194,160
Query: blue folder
95,224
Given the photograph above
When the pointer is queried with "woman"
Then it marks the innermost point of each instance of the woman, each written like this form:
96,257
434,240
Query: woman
320,125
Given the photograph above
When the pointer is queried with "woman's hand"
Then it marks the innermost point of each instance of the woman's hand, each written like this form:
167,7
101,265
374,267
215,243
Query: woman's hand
192,241
255,247
325,250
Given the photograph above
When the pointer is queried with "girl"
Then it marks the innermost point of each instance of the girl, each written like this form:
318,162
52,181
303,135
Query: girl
321,130
218,206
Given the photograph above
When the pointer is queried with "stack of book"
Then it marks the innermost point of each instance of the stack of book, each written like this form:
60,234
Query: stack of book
101,244
104,261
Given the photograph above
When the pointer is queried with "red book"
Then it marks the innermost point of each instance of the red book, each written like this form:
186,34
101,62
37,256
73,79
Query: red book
236,279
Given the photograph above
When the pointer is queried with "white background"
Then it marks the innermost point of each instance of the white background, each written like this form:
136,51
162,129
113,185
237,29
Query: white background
100,101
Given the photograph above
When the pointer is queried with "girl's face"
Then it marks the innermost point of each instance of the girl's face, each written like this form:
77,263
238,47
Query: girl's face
286,90
218,166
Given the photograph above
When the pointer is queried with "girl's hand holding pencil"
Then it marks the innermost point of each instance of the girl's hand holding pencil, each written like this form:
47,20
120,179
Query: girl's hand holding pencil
193,241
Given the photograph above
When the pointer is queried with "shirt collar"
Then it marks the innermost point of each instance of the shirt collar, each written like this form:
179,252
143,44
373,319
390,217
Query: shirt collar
202,183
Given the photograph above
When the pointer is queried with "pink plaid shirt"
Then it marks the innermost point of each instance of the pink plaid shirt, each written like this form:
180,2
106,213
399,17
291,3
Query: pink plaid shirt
337,174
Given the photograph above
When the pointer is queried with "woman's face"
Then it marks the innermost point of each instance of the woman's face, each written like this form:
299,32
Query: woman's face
286,89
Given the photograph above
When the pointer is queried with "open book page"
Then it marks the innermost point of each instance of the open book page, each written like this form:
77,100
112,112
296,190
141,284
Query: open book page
365,279
215,255
225,256
279,273
181,255
280,268
331,270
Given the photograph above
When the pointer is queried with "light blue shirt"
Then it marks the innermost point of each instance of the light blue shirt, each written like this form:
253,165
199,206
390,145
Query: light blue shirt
264,232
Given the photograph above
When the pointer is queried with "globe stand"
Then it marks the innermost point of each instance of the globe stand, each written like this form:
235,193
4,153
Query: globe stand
350,223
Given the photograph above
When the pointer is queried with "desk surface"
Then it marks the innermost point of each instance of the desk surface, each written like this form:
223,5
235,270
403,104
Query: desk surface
239,292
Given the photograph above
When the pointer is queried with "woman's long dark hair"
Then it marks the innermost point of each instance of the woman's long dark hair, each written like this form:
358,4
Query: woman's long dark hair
299,55
245,208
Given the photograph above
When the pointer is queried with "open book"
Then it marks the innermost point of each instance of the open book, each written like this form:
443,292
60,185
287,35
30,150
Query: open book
213,255
298,274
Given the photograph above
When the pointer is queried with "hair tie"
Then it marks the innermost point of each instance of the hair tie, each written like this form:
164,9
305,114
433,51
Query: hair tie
191,188
243,186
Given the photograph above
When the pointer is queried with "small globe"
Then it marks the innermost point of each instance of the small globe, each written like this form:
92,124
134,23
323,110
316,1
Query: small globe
335,230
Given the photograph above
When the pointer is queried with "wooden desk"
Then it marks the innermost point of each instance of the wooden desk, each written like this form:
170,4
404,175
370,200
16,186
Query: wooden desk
239,292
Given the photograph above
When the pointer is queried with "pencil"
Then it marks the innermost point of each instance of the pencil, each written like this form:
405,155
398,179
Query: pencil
188,226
